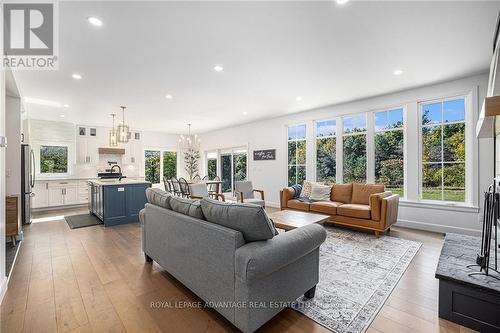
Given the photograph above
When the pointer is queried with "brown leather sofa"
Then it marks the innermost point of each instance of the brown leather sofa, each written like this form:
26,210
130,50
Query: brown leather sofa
366,206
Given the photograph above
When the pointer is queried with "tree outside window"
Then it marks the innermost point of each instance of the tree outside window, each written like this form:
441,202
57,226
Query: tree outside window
169,164
389,155
152,166
53,159
354,147
443,150
326,151
212,168
296,154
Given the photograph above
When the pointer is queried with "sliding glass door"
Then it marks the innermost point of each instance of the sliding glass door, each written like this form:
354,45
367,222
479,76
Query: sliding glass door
159,163
233,168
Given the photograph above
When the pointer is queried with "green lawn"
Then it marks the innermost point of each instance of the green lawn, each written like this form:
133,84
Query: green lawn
396,190
453,194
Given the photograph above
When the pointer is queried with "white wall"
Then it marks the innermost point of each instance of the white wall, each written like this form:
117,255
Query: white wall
13,151
3,279
271,175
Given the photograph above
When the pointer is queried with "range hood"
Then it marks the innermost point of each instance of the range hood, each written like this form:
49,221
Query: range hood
111,151
486,121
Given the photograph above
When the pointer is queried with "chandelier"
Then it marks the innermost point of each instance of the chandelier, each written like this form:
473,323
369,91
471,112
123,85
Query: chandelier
189,142
123,130
113,133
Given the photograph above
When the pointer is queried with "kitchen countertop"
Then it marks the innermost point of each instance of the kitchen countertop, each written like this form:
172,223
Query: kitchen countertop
124,181
77,178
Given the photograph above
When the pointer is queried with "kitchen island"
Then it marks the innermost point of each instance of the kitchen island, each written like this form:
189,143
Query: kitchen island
116,201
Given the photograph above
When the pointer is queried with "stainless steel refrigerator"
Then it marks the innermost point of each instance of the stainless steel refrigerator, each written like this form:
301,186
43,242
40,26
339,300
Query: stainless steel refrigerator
27,181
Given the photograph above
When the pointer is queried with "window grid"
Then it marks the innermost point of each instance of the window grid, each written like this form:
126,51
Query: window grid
293,141
329,158
351,173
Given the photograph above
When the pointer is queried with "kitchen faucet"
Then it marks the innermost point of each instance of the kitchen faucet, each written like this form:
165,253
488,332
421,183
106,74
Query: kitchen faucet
119,170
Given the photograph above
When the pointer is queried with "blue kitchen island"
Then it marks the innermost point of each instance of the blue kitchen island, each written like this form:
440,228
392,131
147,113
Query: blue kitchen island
116,201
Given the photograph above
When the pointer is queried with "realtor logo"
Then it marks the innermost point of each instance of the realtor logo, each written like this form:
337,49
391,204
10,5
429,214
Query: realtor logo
29,35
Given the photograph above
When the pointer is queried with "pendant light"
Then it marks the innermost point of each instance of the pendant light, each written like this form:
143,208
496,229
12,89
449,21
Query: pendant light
190,142
123,130
113,133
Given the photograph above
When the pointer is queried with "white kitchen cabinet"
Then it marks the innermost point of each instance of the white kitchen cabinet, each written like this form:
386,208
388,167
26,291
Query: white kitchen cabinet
41,195
71,195
133,150
87,145
56,196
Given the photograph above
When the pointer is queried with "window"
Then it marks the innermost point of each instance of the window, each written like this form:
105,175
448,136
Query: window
326,151
212,165
354,146
443,150
296,154
53,159
233,168
389,156
159,164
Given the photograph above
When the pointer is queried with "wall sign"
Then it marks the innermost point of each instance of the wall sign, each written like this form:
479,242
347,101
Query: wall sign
264,155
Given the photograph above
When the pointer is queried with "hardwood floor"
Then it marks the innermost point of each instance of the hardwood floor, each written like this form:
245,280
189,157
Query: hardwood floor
95,279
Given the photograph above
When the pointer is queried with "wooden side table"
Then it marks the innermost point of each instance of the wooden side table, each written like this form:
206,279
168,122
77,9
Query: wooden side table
12,217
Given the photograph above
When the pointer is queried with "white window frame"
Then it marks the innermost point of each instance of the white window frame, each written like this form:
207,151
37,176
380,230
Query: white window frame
404,129
295,140
469,151
161,150
231,151
315,152
38,158
217,171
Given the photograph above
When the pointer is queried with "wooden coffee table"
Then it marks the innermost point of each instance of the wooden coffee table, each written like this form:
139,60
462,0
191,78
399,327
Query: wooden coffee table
291,219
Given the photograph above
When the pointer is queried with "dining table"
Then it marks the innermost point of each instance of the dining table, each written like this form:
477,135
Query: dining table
207,182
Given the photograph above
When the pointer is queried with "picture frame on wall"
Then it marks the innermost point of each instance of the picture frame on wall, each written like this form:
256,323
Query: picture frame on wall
82,131
264,155
93,132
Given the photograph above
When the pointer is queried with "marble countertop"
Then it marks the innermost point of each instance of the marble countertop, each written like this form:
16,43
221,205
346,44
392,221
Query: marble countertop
79,178
124,181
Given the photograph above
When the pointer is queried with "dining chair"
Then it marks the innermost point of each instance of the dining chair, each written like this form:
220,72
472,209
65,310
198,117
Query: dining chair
197,177
205,177
244,193
175,186
167,185
183,184
200,191
213,188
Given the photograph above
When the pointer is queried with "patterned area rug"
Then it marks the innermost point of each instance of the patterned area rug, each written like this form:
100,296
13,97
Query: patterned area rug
357,274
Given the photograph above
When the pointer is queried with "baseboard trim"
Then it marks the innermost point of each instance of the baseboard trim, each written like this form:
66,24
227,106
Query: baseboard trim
43,209
272,204
437,227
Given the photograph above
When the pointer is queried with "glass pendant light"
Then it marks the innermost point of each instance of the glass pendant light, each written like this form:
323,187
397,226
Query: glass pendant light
123,130
113,133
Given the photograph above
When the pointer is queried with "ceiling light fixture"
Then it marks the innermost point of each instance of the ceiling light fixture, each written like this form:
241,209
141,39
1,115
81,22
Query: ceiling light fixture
62,116
123,130
113,134
66,105
168,96
218,68
189,142
298,98
245,113
341,2
398,72
94,21
76,76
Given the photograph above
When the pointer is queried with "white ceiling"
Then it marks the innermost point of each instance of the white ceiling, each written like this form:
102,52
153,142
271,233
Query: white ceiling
271,52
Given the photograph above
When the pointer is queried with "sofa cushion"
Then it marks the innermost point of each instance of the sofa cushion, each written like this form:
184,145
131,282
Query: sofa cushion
299,205
307,188
251,220
341,193
325,207
158,197
354,210
361,192
320,192
190,207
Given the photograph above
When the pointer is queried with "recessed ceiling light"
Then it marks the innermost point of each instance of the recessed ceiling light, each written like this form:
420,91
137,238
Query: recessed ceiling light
218,68
245,113
341,2
76,76
94,21
66,105
398,72
43,102
298,98
168,96
62,116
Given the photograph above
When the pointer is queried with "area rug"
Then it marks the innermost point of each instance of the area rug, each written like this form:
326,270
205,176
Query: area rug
82,220
357,273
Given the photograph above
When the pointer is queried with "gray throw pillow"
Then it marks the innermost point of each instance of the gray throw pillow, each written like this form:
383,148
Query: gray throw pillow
190,207
251,220
158,197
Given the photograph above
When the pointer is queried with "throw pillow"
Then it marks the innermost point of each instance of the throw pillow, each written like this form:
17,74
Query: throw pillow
320,192
307,188
158,197
190,207
251,220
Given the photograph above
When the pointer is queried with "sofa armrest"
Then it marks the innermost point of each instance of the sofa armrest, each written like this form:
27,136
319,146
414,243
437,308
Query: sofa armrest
286,194
258,259
376,204
389,211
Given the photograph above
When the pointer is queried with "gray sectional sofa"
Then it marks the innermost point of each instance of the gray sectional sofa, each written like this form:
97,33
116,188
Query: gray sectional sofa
231,256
